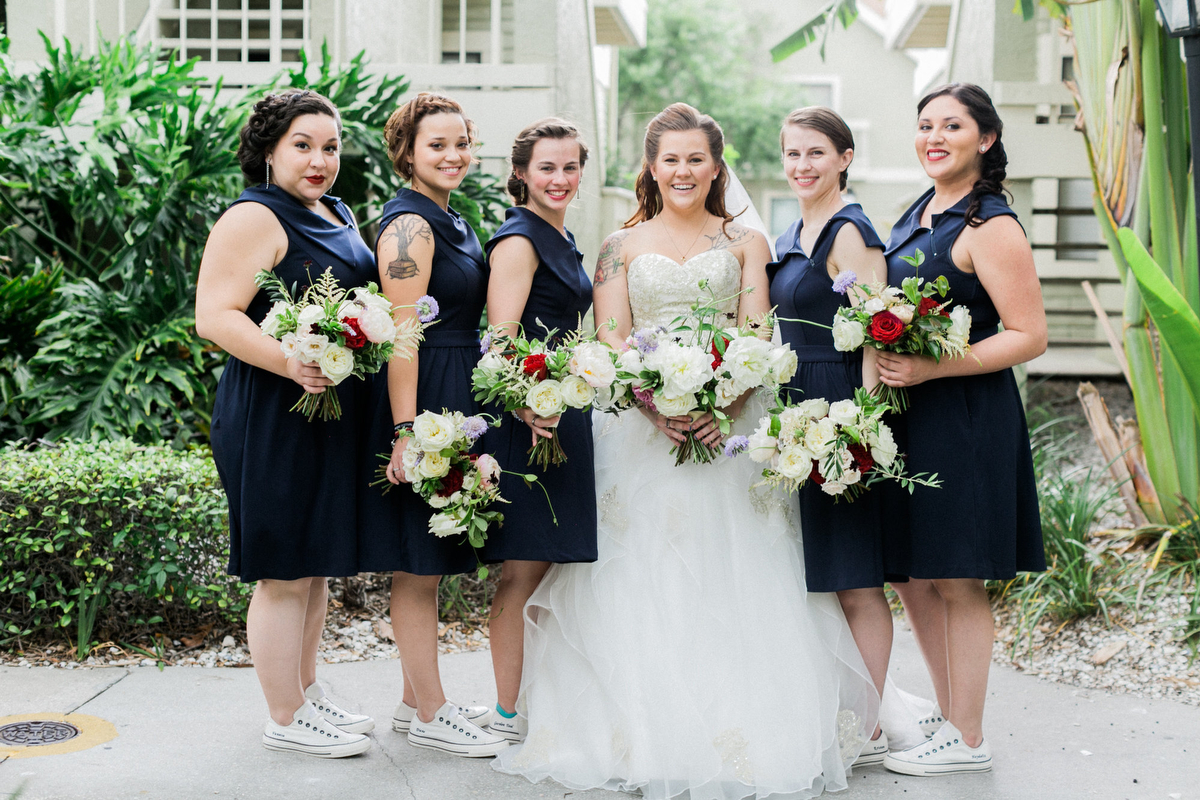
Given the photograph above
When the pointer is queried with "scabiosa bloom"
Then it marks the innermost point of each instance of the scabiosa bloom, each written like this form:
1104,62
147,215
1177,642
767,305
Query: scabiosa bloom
736,444
844,281
474,427
485,343
646,340
427,308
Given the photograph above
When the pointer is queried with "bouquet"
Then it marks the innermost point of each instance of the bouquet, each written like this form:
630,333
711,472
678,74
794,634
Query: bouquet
459,484
844,447
343,335
519,372
908,319
698,368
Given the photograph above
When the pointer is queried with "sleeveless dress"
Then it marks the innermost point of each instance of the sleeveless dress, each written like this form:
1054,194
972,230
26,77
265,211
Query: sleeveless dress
983,522
560,295
291,483
688,657
843,542
399,520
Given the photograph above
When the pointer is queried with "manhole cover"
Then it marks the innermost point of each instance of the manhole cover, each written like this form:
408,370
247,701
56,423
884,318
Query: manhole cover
36,732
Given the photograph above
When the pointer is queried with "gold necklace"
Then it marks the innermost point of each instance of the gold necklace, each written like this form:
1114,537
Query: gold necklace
683,253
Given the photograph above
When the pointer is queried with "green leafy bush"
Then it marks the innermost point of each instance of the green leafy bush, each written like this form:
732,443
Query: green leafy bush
111,537
26,298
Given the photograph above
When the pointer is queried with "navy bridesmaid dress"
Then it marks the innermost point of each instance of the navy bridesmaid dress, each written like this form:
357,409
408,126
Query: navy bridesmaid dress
560,295
399,520
843,545
983,522
291,483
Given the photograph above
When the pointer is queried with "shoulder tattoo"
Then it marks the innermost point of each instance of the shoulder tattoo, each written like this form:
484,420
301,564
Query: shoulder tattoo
404,231
736,236
610,263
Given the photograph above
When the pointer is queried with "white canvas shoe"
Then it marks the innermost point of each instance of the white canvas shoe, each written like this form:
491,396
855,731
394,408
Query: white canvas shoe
931,724
402,717
312,734
450,732
873,751
944,754
347,721
512,729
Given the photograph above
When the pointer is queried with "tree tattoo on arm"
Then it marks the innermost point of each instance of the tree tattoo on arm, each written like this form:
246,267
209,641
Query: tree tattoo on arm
404,231
610,263
737,235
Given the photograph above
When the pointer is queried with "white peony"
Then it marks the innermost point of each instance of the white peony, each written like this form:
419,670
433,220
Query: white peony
444,524
844,412
373,300
309,315
848,335
546,398
576,392
782,363
270,324
684,370
290,345
349,310
493,365
821,437
727,392
813,409
434,432
960,323
311,347
795,462
377,324
747,359
337,363
630,361
593,362
674,406
874,305
904,312
762,444
608,397
433,465
883,445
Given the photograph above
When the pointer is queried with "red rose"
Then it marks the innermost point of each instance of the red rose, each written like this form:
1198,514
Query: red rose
927,305
862,458
717,357
451,483
535,365
815,475
885,327
355,338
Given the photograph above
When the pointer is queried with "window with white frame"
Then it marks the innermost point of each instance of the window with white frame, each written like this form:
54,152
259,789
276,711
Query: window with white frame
269,31
476,31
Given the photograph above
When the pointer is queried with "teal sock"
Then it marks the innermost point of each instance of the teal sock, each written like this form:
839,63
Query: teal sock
503,713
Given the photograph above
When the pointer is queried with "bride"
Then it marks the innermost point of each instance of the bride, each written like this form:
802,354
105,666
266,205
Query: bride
688,657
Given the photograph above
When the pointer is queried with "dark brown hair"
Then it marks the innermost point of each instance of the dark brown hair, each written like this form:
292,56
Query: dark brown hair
270,120
522,151
679,117
825,121
994,168
400,132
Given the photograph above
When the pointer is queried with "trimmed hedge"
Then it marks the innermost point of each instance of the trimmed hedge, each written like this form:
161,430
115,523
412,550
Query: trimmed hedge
111,537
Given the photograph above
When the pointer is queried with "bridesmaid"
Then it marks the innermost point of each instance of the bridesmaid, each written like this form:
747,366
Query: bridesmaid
843,546
290,482
426,247
965,420
537,278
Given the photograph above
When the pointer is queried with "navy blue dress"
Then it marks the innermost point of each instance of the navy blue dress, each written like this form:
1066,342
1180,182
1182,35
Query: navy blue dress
843,545
983,522
399,520
560,295
291,483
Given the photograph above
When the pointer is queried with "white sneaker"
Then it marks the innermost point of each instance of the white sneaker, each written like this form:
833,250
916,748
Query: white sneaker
402,717
350,723
931,724
873,751
944,754
450,732
512,729
311,733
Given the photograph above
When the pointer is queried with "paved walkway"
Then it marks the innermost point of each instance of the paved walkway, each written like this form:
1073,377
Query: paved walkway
187,733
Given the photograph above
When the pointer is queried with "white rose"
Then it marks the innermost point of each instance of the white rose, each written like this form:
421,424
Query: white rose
546,398
593,362
412,455
727,392
833,487
883,445
493,365
576,392
437,501
762,444
311,347
904,312
960,323
795,462
337,363
377,325
433,465
308,315
675,406
270,323
290,345
373,300
443,525
874,305
848,335
611,396
843,412
813,409
893,293
746,360
684,370
821,437
630,361
434,432
782,363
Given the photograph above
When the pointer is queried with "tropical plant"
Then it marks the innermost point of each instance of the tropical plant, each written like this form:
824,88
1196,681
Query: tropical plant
26,298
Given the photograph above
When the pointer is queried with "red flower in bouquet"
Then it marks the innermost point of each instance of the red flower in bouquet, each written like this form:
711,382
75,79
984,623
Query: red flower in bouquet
717,357
886,327
355,338
928,305
862,458
535,365
815,476
451,483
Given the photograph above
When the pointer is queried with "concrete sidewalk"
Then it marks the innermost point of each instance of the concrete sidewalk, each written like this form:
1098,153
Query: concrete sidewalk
187,733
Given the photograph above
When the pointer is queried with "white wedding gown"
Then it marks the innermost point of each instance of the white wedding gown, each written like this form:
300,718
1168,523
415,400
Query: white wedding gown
688,658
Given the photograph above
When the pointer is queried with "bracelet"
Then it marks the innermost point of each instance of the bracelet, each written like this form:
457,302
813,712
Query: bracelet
399,426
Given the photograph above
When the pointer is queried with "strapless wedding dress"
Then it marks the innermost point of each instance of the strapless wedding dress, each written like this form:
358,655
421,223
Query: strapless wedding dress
688,658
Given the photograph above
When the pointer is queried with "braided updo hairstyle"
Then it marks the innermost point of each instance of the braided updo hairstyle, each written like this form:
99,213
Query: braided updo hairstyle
522,151
270,120
400,132
993,170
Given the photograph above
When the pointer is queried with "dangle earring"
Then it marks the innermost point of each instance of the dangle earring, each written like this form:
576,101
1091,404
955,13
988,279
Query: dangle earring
268,174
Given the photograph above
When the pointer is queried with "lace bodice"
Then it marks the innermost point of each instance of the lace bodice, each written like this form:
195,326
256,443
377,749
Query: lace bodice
661,289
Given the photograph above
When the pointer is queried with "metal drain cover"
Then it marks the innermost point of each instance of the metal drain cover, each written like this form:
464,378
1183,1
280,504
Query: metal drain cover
37,732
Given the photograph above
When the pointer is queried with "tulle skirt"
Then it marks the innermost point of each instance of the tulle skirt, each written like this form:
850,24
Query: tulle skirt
689,657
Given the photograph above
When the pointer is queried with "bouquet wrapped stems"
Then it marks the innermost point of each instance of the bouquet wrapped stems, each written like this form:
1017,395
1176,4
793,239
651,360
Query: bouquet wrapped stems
547,452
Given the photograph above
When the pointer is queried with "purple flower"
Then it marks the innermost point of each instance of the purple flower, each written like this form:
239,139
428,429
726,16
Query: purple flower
427,308
736,444
844,281
474,427
646,340
646,398
485,343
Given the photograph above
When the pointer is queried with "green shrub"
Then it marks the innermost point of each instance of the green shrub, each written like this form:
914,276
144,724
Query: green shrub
111,537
